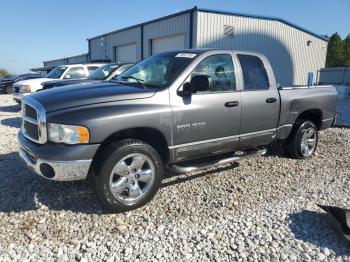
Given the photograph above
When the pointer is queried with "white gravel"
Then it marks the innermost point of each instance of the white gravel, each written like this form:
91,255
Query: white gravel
264,210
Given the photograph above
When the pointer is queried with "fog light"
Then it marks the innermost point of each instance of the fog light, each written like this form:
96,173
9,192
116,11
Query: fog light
47,170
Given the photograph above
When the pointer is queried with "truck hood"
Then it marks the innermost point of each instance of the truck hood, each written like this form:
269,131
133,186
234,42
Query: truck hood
64,82
89,93
35,81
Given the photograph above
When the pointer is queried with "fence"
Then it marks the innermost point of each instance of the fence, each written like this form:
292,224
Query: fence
334,75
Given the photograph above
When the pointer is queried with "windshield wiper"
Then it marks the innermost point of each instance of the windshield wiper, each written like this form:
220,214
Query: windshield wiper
138,80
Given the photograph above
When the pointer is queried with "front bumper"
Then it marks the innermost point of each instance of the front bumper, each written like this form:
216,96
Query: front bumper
57,162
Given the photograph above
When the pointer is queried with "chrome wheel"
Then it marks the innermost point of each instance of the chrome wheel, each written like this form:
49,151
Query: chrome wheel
308,141
131,178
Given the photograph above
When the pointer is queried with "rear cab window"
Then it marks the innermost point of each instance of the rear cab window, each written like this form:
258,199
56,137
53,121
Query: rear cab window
254,73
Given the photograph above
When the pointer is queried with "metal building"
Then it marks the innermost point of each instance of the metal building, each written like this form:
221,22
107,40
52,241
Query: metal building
295,53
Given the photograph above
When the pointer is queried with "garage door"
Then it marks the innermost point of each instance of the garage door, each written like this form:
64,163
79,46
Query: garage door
125,53
168,43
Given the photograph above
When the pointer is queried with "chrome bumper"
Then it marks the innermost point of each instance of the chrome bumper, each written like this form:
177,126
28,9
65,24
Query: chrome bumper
56,170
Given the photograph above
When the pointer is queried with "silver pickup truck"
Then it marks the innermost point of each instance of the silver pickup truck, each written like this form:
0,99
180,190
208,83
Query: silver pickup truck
165,112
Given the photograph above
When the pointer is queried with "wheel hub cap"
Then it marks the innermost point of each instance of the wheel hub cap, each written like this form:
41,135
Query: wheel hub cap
131,178
308,141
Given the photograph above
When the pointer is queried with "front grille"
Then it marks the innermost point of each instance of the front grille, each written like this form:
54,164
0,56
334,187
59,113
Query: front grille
33,121
31,130
30,112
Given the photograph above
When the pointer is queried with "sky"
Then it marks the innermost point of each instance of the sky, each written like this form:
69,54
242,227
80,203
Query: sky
34,30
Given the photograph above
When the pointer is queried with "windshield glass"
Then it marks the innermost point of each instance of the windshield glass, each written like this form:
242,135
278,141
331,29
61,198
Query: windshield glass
103,72
156,71
57,72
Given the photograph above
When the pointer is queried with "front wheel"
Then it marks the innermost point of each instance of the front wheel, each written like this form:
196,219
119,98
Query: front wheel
128,176
302,142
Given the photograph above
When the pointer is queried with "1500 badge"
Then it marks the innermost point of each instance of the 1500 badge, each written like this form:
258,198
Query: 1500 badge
191,125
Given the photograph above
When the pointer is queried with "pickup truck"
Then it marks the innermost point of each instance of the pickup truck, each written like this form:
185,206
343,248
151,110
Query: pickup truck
167,111
72,71
103,73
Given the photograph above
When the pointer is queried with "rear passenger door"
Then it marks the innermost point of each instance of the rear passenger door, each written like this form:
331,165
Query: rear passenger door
260,103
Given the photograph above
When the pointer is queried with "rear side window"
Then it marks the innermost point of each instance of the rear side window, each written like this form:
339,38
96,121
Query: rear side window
75,73
254,73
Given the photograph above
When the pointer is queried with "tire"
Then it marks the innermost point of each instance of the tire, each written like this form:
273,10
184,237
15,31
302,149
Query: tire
122,182
302,142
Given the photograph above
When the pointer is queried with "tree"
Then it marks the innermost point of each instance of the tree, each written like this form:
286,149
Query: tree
335,51
346,51
4,72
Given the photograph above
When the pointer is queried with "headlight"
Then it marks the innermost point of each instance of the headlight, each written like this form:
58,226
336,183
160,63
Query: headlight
25,89
68,134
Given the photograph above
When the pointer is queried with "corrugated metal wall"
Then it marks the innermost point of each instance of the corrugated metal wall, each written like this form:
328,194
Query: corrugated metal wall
285,46
171,26
103,47
335,75
67,60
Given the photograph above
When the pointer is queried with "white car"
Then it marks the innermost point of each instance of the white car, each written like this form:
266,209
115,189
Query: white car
76,71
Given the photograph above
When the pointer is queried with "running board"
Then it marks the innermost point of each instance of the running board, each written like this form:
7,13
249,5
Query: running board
187,169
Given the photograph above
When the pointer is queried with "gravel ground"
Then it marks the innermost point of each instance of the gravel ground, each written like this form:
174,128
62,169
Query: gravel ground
262,209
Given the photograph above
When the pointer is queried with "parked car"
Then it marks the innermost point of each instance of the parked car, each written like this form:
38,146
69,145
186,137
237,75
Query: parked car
167,111
6,84
102,73
76,71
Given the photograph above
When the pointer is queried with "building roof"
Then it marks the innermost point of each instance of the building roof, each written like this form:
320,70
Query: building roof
216,12
67,57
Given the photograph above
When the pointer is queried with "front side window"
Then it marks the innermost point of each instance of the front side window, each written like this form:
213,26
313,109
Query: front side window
254,73
75,73
57,72
156,71
220,69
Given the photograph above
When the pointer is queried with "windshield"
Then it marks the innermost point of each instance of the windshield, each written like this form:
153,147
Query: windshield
156,71
57,72
103,72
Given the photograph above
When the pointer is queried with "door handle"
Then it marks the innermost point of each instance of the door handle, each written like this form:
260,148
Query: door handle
232,104
271,100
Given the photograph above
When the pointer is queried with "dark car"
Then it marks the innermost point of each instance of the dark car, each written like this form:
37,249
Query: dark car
103,73
7,83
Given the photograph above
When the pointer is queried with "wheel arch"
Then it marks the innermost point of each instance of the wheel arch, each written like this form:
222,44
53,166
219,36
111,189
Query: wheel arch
314,115
148,135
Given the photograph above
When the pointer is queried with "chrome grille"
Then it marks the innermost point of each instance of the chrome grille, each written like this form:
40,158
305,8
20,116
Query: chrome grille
33,121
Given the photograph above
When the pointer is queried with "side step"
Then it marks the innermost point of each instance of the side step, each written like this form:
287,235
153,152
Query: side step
187,169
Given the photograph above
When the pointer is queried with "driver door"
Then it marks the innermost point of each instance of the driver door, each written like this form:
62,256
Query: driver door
208,122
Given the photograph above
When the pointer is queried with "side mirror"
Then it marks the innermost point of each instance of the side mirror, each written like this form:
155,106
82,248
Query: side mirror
67,77
186,90
199,83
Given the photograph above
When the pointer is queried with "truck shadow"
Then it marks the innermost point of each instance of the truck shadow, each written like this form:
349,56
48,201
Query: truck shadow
20,190
181,179
312,227
10,109
12,122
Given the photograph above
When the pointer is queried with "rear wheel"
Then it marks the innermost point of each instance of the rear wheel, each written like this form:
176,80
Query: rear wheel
129,175
302,142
